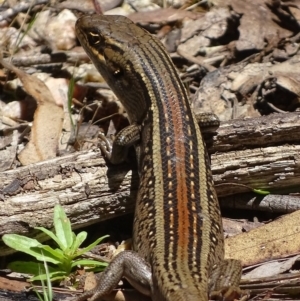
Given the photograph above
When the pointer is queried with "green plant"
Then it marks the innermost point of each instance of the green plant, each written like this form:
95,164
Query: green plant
71,88
21,36
62,259
261,191
47,288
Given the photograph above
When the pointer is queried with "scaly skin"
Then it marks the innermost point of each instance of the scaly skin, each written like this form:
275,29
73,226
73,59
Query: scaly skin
178,235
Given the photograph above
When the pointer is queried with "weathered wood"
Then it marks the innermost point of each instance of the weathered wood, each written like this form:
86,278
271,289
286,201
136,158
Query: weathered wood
273,203
261,153
274,129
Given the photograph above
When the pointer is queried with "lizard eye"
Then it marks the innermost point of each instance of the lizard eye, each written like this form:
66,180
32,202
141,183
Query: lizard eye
93,38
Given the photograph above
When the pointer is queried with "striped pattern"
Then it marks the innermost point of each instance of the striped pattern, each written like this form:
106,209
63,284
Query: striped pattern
177,226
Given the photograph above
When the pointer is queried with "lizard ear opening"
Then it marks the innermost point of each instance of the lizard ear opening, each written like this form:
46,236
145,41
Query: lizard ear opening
118,72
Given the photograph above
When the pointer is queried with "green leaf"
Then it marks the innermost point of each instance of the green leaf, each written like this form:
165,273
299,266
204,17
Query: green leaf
28,267
27,245
65,261
91,246
57,253
63,228
49,285
260,191
47,289
79,239
19,242
89,262
50,234
71,88
63,258
52,275
20,36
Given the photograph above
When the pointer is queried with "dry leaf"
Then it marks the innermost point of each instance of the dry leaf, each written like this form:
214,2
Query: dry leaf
164,15
257,24
272,268
8,146
272,241
47,123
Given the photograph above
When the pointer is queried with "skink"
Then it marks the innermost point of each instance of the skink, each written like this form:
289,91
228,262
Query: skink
178,236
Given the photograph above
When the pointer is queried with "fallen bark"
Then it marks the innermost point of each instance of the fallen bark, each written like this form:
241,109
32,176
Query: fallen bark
261,153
